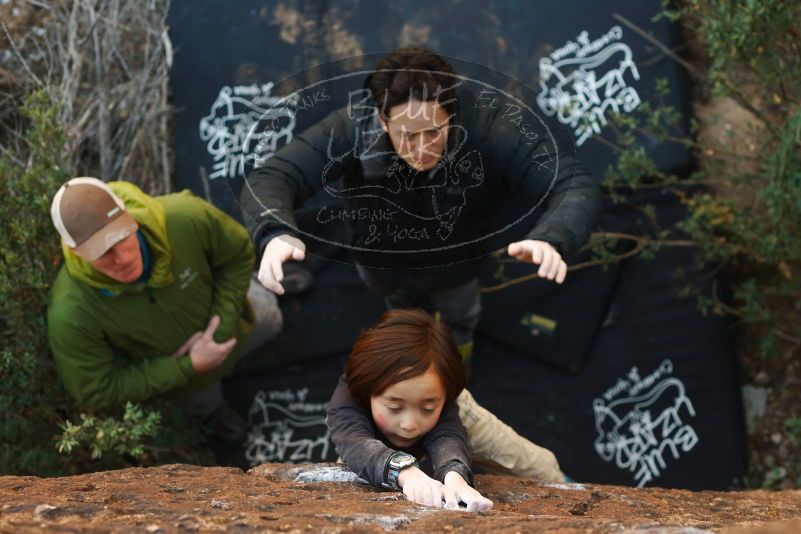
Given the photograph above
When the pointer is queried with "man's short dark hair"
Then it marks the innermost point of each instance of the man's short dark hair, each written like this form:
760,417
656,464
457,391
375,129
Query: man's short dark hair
413,72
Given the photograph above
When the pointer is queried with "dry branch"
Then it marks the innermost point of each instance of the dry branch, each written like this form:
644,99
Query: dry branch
106,65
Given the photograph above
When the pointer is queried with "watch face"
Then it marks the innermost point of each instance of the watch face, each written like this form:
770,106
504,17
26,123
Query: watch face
402,460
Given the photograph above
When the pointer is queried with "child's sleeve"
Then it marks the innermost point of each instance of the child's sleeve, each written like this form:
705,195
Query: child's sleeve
354,438
447,446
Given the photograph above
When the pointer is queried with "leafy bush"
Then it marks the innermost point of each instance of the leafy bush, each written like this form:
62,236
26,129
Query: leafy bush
32,397
743,196
109,435
748,214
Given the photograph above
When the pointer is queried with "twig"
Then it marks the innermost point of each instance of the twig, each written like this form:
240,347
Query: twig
204,179
607,142
19,56
641,243
103,107
744,102
785,336
658,57
654,41
737,313
10,155
164,125
40,5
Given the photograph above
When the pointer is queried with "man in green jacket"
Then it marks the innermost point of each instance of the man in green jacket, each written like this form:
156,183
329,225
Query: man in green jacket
155,297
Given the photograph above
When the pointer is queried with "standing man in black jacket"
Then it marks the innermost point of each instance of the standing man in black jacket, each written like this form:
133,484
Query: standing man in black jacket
423,165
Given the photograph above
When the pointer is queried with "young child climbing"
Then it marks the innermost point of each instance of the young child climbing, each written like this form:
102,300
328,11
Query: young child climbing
393,417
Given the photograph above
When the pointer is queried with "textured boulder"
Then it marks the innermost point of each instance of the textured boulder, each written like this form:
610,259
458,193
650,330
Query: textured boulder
327,498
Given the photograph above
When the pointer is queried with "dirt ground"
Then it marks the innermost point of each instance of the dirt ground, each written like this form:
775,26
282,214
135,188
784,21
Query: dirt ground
325,498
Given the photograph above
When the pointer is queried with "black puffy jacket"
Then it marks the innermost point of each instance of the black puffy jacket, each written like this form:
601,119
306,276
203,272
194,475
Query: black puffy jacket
429,230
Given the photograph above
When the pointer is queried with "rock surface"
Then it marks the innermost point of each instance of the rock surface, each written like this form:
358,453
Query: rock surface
326,498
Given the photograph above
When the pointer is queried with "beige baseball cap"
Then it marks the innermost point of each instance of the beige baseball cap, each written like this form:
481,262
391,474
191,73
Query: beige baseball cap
90,217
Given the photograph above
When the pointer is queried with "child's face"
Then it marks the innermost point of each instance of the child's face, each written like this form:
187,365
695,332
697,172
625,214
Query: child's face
408,410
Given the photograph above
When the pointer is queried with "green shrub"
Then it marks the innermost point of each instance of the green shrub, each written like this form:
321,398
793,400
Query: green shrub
744,203
32,397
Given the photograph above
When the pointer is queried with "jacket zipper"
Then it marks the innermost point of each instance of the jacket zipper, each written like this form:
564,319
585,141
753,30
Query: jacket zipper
152,298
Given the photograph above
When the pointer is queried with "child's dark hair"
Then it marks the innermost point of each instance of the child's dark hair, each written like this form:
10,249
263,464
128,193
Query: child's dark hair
403,344
412,72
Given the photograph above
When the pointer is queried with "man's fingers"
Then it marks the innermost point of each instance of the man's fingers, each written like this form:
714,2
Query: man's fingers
183,348
298,254
265,275
186,347
513,249
545,263
560,276
213,324
228,345
274,286
536,254
521,252
268,281
555,265
549,262
277,270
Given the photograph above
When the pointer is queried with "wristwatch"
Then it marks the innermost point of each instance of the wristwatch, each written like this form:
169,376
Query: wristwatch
397,463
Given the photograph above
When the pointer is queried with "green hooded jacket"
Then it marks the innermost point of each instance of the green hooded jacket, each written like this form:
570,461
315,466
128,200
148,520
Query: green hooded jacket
114,342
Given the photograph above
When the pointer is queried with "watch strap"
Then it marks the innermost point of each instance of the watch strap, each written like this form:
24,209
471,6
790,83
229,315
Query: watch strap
392,473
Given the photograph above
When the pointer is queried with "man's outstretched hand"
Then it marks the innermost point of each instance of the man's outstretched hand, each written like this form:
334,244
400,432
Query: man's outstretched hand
205,353
280,249
552,266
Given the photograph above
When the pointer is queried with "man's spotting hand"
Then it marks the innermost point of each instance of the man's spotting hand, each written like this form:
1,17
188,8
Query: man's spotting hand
280,249
552,266
205,353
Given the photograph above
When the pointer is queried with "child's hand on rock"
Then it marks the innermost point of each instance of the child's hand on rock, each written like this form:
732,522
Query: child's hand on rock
420,488
457,489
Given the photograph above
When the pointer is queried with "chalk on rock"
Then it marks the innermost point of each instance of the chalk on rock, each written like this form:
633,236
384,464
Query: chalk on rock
45,511
567,486
328,473
221,505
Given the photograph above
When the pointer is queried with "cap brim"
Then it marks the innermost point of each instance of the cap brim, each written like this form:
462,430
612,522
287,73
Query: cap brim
107,237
